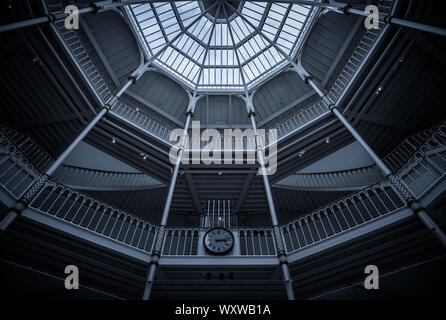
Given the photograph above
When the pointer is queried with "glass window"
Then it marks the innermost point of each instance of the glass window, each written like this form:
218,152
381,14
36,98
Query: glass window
205,52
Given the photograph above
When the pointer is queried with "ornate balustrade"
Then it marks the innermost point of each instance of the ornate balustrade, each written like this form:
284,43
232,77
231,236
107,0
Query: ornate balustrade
423,171
342,216
90,214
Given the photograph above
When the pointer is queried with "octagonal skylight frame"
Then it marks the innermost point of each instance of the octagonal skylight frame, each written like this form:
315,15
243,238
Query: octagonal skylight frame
203,58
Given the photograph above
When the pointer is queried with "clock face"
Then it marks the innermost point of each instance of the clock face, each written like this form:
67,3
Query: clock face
218,240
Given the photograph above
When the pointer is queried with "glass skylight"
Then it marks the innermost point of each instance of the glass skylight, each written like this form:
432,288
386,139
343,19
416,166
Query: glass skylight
206,56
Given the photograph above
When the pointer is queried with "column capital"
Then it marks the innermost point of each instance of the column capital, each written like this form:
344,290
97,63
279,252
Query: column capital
132,78
18,207
155,258
307,78
346,9
94,7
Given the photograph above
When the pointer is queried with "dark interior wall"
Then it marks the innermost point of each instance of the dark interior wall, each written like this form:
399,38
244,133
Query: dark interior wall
221,111
3,210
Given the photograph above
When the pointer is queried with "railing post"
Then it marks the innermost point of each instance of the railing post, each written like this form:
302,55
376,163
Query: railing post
200,248
236,251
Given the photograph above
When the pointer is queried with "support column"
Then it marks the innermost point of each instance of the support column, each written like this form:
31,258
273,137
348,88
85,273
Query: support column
156,253
412,202
281,253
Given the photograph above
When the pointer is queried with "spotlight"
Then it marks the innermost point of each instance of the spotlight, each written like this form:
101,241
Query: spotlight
220,173
114,140
327,140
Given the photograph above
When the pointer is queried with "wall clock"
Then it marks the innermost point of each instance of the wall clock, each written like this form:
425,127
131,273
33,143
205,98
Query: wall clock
218,241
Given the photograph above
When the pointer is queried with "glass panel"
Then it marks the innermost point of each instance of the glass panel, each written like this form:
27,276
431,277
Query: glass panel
205,54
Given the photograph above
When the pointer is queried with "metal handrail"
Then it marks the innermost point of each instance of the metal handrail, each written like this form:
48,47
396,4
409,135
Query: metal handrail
16,171
78,209
427,166
342,216
421,172
357,178
81,178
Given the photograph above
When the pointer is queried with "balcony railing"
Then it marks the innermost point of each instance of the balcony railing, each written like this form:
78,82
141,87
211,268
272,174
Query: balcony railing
342,216
428,164
90,179
423,171
359,56
16,172
353,179
247,242
397,158
301,118
90,214
142,121
30,150
257,242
